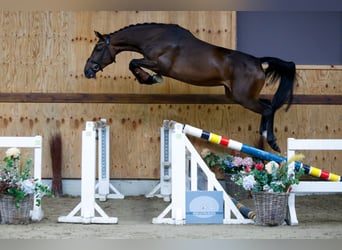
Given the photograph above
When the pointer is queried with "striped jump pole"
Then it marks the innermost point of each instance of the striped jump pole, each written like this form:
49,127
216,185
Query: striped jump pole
258,153
245,211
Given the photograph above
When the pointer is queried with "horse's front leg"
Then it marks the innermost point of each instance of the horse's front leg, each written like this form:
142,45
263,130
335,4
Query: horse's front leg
142,76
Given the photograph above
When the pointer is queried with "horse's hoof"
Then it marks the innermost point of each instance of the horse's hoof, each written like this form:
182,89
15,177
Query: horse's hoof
157,78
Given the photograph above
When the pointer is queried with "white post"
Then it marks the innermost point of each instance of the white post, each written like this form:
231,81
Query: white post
103,162
104,187
37,212
88,172
163,188
165,163
88,206
178,158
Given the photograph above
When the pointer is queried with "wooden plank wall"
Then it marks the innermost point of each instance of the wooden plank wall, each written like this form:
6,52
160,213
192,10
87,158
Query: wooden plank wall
45,52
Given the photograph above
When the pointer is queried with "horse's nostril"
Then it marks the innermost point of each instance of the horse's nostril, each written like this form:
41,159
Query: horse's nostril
89,73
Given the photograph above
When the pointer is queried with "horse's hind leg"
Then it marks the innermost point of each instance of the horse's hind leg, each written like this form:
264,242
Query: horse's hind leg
141,75
271,139
262,107
263,123
267,124
266,130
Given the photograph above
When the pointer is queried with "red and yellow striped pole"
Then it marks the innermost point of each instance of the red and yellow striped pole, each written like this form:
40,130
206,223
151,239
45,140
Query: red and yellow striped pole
255,152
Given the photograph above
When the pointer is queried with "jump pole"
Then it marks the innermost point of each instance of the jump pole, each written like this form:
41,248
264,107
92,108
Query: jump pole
261,154
88,206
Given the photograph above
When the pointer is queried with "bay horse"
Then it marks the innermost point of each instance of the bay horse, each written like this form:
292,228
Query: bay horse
172,51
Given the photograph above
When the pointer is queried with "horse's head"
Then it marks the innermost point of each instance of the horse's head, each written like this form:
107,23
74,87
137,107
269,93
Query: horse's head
102,55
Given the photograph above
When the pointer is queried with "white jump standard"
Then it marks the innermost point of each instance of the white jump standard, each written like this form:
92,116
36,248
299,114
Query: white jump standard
88,206
163,188
183,168
104,187
311,187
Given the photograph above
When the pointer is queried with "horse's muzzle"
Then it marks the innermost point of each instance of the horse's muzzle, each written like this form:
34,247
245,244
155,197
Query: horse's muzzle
89,73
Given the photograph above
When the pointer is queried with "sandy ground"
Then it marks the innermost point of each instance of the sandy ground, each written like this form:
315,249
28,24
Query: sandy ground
319,217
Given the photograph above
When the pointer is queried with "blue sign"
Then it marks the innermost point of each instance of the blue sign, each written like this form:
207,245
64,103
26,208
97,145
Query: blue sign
204,207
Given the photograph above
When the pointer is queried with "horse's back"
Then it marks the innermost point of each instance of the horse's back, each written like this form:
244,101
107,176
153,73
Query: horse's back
183,56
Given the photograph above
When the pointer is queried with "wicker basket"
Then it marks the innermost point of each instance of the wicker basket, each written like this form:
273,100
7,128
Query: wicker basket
270,208
10,214
233,190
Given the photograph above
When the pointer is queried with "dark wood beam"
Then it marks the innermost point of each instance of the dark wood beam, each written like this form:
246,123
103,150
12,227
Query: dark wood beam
150,98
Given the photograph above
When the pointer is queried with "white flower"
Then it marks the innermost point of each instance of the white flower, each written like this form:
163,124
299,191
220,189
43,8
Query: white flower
13,153
28,186
269,166
248,182
205,152
291,172
267,188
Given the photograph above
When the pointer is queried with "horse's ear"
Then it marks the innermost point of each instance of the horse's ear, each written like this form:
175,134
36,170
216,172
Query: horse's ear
99,35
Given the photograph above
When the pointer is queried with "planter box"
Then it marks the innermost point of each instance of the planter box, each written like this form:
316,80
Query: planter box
270,208
10,214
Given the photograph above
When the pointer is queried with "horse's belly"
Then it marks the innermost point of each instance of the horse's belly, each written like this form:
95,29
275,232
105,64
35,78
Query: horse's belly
197,76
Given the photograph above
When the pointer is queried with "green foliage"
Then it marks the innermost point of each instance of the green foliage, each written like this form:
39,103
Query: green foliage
269,178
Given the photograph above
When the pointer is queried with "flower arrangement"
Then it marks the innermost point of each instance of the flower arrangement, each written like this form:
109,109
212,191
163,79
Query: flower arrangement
19,183
272,177
227,163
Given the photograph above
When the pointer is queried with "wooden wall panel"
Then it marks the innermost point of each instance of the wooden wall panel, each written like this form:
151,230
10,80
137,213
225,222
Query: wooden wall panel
135,133
313,82
45,52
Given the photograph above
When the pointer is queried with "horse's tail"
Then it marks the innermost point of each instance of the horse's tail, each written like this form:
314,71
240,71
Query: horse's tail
286,72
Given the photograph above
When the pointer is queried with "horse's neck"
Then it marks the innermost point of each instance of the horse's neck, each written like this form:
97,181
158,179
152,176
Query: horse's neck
125,41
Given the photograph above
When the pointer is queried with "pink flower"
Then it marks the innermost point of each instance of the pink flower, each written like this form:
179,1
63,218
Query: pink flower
247,161
247,169
238,161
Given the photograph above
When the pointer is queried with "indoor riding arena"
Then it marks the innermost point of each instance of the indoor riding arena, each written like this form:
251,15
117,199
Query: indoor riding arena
127,160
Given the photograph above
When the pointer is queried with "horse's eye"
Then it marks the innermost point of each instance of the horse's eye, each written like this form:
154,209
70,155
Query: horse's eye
96,67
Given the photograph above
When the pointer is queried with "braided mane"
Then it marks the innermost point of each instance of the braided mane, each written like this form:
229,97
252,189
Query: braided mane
138,24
